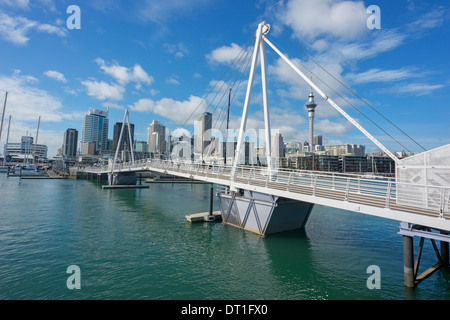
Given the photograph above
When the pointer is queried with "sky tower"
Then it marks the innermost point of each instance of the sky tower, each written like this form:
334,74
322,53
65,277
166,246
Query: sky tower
311,105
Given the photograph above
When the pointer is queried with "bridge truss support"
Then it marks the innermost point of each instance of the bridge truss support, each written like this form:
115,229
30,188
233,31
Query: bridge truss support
261,213
411,267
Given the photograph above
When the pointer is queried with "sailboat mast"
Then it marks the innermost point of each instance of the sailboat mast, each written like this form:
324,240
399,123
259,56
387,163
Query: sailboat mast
3,115
7,140
35,143
228,120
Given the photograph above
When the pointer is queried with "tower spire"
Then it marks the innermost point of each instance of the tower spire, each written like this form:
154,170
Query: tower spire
311,105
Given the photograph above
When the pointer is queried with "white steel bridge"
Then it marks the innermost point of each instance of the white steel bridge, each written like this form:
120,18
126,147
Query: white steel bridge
266,199
369,195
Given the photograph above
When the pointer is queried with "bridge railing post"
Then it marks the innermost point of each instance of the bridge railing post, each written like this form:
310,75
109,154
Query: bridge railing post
314,178
347,189
249,176
442,202
289,182
388,195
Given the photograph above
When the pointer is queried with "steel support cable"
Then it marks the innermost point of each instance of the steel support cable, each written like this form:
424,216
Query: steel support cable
349,89
225,81
239,74
249,43
241,54
243,73
353,106
235,61
204,99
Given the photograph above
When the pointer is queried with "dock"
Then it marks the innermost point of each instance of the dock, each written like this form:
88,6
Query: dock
203,217
125,187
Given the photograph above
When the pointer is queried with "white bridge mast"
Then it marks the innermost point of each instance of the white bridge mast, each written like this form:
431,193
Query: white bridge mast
262,30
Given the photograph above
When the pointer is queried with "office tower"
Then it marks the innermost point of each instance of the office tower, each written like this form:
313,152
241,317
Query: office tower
95,129
156,137
141,146
311,105
70,143
277,146
317,140
203,126
125,142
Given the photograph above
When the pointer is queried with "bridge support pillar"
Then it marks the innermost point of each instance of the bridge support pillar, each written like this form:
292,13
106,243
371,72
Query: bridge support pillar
411,267
122,178
261,213
408,261
445,253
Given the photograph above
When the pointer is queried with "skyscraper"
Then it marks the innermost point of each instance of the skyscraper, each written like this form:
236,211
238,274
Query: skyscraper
311,105
277,145
125,143
70,143
95,129
156,137
203,126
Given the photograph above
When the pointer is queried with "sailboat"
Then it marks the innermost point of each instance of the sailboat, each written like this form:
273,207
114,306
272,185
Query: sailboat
30,168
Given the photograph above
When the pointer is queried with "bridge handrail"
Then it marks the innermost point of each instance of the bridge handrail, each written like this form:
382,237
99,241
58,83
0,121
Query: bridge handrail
436,198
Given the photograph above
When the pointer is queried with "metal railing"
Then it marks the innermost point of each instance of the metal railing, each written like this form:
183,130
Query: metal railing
345,187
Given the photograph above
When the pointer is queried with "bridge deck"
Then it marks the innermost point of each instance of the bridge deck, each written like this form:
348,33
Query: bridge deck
374,196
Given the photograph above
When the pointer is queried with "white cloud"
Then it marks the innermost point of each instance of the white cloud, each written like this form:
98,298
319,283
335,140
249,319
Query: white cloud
312,19
377,75
16,29
113,105
160,11
173,80
58,76
26,103
224,54
103,91
125,75
179,50
417,89
22,4
178,111
327,127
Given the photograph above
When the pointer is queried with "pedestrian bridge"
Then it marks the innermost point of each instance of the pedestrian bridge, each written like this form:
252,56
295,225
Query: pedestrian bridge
378,196
268,199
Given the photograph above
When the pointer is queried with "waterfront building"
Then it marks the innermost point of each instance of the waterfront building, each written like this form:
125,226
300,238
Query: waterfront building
156,138
125,143
277,146
95,129
25,150
347,149
203,128
141,146
317,140
70,143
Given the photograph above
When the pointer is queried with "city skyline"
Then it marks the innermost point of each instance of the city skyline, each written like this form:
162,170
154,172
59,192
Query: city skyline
164,69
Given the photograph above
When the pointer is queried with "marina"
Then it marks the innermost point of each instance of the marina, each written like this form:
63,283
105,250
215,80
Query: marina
216,151
137,244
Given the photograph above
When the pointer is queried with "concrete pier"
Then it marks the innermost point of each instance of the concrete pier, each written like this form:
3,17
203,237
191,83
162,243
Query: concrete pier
202,217
262,213
408,261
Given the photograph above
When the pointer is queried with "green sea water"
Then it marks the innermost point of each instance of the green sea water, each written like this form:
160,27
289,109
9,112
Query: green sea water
136,244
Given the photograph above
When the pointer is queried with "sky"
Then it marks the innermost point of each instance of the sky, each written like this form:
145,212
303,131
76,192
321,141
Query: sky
160,59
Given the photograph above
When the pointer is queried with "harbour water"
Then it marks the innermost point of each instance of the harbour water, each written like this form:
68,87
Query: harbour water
136,244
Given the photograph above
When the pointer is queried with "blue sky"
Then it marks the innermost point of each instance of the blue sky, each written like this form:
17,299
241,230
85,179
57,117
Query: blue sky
159,59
